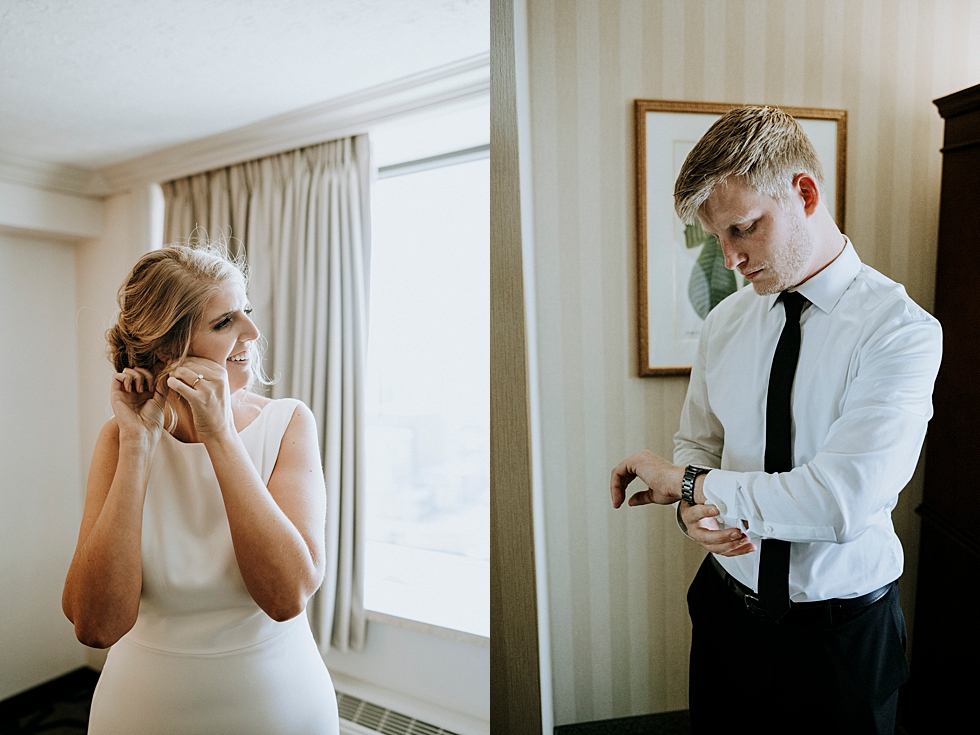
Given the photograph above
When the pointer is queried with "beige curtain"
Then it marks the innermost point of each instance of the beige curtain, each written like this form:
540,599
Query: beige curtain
303,221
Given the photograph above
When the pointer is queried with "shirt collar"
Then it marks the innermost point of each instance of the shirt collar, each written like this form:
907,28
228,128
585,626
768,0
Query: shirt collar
825,289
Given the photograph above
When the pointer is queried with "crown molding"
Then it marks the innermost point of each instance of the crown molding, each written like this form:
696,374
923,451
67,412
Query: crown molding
57,177
352,114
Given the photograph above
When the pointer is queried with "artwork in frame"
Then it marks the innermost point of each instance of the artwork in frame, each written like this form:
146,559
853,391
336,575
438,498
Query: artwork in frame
680,270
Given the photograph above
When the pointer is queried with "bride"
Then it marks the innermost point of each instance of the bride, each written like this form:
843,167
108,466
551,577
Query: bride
202,537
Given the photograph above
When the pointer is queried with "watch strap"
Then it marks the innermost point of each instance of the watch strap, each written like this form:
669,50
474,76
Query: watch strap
691,473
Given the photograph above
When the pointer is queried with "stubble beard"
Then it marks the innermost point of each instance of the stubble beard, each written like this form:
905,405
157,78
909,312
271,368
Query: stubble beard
787,268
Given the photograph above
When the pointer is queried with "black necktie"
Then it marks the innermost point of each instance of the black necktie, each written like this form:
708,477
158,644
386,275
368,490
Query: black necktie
774,562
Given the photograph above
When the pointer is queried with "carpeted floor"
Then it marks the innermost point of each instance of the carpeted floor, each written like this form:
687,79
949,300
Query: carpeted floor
58,707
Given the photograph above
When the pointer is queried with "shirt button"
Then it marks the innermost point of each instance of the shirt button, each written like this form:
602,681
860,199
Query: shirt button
768,529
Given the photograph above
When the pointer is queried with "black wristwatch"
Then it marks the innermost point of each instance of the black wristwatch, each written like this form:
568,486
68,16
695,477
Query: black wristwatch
687,484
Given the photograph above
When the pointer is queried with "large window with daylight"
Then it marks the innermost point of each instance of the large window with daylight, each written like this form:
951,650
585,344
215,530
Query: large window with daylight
428,394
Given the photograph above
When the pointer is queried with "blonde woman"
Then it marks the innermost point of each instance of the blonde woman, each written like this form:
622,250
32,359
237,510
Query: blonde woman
202,535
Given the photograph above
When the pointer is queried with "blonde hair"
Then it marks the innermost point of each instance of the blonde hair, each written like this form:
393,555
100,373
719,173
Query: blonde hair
161,301
763,145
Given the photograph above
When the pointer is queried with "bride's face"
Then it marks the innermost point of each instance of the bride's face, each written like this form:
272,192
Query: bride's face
224,333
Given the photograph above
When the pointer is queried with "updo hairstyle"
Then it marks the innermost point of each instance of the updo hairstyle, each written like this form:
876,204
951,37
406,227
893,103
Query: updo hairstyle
162,299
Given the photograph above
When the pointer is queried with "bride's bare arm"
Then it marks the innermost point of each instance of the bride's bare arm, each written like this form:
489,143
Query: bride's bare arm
102,590
277,531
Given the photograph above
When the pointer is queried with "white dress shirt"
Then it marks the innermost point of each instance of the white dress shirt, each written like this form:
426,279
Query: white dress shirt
861,400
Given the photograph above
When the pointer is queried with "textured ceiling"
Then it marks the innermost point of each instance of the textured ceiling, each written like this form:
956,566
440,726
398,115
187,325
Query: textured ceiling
95,82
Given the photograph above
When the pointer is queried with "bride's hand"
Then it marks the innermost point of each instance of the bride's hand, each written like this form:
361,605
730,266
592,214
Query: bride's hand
204,385
138,402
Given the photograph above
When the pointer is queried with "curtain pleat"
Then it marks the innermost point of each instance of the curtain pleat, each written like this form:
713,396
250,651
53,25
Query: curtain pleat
302,220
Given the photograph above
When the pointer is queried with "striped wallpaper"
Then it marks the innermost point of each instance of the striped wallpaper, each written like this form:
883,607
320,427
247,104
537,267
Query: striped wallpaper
617,580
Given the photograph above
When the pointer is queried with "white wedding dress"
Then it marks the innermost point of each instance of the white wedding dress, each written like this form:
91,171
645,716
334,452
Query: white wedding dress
203,658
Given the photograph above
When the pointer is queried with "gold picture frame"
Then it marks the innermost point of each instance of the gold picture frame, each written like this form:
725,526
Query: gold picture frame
664,132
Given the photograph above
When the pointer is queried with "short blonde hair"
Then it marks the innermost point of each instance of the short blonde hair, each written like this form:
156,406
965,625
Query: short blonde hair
163,298
763,145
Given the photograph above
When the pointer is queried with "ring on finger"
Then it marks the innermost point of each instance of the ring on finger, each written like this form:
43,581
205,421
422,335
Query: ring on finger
199,377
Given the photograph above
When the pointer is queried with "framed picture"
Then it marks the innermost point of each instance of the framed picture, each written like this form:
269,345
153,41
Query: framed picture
680,274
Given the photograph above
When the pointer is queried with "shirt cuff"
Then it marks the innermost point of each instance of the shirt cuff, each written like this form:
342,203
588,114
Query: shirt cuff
720,489
725,490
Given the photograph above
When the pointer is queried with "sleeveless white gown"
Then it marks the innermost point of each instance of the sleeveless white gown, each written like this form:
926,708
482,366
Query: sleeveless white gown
203,658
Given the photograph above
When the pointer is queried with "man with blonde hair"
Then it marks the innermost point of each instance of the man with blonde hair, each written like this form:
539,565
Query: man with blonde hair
804,419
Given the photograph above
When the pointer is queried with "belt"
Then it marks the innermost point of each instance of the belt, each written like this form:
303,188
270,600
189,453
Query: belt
819,613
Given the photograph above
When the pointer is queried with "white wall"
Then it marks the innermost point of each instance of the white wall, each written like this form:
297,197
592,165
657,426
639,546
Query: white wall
40,480
617,580
46,287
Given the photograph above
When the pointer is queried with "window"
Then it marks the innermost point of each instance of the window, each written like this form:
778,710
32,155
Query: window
428,393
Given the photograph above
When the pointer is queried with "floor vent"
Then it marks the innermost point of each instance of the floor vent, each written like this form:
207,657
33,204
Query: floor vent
373,718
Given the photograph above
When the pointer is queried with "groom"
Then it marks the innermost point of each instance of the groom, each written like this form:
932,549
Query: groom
804,419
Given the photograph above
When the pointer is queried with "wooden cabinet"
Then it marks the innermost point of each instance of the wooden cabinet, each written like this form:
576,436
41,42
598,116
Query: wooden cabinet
946,645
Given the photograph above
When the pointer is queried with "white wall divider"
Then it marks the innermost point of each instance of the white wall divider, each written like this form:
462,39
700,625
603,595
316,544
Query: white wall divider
27,210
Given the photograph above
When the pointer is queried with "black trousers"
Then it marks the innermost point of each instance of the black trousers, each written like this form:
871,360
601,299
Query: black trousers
795,676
